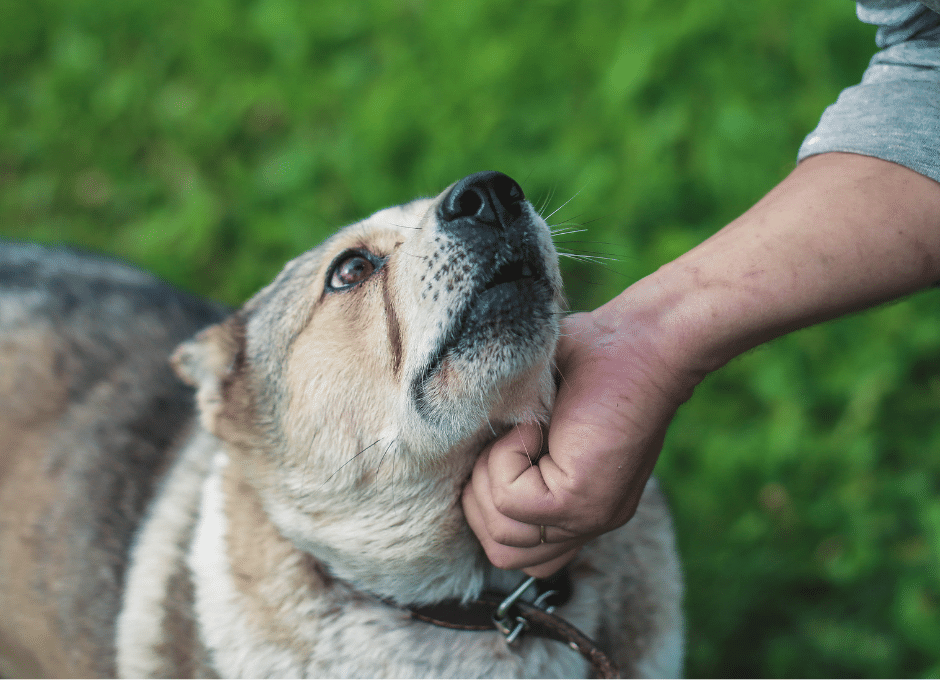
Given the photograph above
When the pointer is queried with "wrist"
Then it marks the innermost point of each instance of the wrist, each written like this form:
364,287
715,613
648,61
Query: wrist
672,320
664,322
695,317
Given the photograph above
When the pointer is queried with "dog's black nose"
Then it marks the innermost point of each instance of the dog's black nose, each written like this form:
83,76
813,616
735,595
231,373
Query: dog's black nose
490,198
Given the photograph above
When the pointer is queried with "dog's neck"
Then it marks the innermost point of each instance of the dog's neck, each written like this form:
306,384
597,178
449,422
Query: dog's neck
236,519
266,607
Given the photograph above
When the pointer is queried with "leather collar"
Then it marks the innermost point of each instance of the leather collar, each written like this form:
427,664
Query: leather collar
512,616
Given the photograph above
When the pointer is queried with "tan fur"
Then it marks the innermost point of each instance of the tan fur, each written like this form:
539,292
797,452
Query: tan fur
29,565
25,496
320,482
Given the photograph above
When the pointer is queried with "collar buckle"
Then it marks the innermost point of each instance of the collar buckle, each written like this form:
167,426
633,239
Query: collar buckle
513,625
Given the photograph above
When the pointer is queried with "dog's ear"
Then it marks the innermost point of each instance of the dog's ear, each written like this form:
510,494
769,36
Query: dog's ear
214,363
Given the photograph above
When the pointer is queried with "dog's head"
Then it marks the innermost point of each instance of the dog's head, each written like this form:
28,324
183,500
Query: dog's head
358,387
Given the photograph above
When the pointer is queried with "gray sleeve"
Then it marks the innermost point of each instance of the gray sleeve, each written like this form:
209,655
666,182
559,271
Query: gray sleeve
894,113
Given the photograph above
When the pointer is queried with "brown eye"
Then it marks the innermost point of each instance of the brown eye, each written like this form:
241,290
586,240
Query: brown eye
351,270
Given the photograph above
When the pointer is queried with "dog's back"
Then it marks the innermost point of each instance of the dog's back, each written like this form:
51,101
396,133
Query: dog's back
92,413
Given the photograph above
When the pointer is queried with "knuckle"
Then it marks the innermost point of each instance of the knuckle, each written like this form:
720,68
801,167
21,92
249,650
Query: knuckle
502,500
503,558
588,526
603,518
502,534
588,519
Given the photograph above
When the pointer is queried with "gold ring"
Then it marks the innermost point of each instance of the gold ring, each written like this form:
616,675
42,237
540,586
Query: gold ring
541,533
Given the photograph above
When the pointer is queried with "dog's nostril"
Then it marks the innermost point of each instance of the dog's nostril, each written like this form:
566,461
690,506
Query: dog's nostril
507,190
468,204
488,197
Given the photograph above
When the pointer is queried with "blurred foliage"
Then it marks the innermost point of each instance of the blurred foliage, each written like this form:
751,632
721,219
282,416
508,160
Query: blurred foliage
212,140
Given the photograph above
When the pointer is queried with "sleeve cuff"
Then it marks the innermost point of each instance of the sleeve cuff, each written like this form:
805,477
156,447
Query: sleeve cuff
889,117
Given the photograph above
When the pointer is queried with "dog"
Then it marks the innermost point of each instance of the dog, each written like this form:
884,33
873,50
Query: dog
296,512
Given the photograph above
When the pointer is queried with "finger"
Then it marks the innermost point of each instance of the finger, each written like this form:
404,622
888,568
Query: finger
510,557
548,568
534,494
515,482
516,450
486,520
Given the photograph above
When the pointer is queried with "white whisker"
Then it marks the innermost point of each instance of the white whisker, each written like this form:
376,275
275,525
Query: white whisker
528,455
562,205
591,258
382,460
566,232
351,460
548,199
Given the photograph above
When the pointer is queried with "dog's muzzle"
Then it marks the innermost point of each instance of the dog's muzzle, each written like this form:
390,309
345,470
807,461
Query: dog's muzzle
499,241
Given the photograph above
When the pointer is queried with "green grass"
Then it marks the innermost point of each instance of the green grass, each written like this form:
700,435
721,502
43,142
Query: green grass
212,140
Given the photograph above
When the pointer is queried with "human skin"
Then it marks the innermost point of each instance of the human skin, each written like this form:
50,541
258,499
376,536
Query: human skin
841,233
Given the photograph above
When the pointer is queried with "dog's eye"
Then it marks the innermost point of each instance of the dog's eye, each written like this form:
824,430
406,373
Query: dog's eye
350,270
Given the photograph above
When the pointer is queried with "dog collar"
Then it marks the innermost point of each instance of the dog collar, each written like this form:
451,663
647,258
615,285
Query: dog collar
512,616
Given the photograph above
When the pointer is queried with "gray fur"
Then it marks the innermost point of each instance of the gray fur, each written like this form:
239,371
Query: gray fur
112,329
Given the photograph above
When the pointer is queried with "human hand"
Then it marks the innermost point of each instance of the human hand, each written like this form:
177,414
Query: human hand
616,398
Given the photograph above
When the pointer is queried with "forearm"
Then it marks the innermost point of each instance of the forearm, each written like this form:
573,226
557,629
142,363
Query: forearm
843,232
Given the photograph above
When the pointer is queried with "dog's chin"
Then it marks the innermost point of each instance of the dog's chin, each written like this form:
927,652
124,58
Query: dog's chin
492,367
